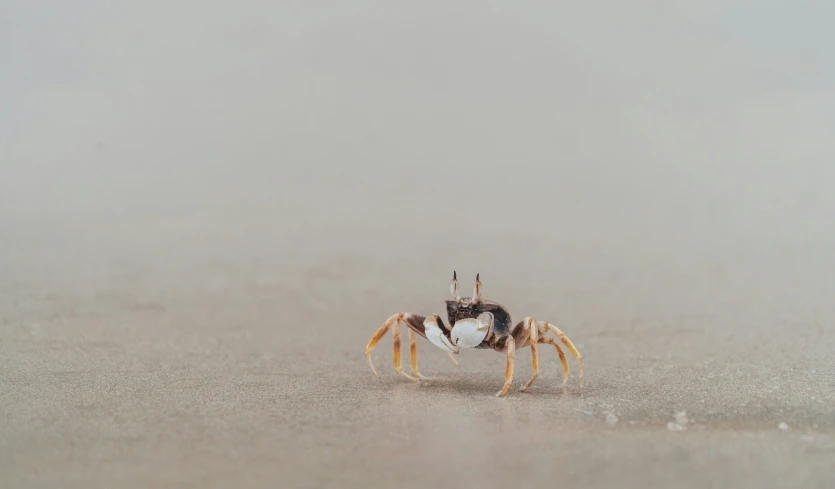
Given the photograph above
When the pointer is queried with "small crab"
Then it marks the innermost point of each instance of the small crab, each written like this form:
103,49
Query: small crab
476,323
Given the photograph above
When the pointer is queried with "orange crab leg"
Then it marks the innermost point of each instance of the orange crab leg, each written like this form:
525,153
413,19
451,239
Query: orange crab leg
508,376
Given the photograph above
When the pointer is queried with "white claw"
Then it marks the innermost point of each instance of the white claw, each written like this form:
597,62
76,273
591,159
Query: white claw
469,333
486,321
436,336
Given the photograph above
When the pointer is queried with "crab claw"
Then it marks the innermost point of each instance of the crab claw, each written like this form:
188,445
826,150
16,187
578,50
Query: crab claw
436,336
469,333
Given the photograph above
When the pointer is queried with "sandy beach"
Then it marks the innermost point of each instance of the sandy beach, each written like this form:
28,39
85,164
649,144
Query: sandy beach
200,230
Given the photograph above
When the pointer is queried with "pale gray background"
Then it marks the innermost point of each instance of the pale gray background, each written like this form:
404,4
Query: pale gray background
207,208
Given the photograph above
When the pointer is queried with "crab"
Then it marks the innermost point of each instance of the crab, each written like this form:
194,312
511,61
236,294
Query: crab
476,323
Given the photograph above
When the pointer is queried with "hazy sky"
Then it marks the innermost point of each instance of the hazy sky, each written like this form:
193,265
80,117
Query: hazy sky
718,114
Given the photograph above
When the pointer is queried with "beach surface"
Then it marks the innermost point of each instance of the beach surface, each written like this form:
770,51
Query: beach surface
200,230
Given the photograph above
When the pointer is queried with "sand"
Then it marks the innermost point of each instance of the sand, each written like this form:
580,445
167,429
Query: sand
207,210
209,369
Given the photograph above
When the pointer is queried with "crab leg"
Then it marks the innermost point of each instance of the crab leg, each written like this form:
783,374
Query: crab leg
533,330
565,370
375,338
413,354
398,367
416,327
508,376
569,345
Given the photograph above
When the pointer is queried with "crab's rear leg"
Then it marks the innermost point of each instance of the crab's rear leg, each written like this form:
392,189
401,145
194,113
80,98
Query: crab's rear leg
565,370
570,347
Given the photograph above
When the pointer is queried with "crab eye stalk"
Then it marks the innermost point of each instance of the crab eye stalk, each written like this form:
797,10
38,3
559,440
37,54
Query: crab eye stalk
453,287
477,289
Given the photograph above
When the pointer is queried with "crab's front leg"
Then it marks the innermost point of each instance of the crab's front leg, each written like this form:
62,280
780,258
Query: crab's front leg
508,376
427,327
398,367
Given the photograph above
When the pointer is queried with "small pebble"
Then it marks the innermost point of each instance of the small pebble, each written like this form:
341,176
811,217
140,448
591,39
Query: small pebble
681,418
611,419
783,426
675,427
